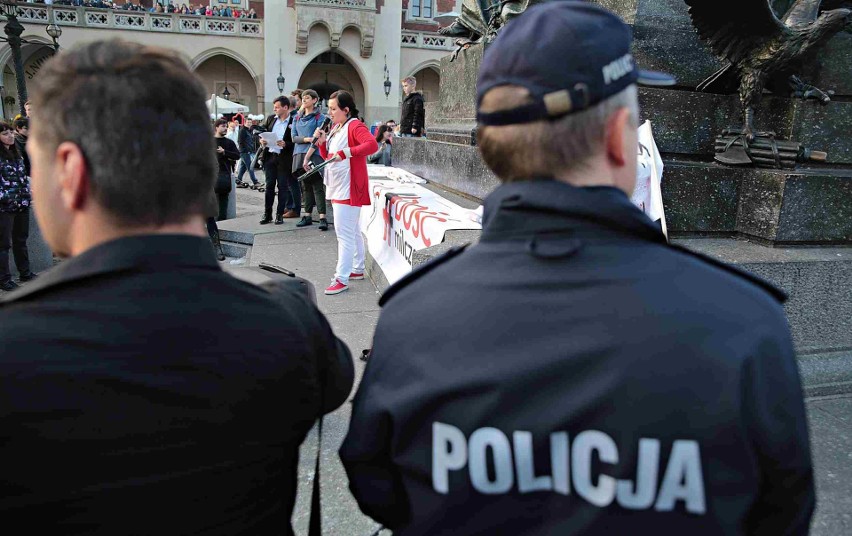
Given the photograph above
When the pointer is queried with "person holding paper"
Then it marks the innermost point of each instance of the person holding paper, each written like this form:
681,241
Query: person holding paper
347,147
278,161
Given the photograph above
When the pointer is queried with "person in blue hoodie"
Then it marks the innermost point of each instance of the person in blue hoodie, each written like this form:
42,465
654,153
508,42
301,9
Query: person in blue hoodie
306,122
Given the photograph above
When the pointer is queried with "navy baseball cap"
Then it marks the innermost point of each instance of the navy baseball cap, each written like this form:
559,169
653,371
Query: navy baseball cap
569,54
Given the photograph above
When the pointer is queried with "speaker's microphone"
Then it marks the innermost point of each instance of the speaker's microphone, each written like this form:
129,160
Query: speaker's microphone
324,128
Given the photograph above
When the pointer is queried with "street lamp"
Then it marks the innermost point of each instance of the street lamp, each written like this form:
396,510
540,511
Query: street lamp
280,78
13,32
54,31
387,83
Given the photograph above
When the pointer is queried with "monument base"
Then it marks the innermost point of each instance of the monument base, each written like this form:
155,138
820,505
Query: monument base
729,213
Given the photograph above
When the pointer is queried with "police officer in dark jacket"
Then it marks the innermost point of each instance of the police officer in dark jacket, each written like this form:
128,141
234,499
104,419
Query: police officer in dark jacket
572,373
144,390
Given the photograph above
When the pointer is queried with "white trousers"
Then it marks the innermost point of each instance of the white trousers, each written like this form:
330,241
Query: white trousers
350,242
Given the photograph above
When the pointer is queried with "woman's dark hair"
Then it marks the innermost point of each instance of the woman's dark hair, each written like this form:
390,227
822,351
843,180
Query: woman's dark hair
380,133
345,100
8,152
311,93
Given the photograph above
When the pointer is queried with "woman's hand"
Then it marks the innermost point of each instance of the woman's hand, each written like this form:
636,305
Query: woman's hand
334,158
306,165
319,135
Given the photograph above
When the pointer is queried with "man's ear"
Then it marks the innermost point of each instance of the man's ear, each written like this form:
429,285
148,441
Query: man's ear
617,127
73,176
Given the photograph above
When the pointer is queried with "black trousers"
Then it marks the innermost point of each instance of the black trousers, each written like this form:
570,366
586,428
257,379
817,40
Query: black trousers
223,205
276,175
14,231
314,194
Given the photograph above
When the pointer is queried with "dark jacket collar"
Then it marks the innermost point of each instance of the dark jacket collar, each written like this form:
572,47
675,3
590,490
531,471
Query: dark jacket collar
160,253
546,205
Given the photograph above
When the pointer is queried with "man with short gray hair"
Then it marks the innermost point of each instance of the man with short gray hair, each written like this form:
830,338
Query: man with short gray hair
572,373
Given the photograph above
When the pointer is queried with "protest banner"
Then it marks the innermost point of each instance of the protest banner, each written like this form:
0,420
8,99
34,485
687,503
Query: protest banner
405,217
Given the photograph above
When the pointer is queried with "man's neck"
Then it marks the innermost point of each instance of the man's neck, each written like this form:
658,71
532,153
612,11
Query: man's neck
100,232
284,116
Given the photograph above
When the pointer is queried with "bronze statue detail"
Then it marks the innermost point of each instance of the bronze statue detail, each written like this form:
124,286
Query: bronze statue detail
480,20
757,46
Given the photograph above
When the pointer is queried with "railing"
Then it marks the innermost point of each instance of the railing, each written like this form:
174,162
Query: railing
426,40
83,17
363,4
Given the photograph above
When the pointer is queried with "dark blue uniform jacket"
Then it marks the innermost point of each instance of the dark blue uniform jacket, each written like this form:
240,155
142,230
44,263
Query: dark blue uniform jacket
574,374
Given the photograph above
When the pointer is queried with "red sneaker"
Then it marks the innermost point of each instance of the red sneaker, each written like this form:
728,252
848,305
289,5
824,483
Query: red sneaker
356,277
336,287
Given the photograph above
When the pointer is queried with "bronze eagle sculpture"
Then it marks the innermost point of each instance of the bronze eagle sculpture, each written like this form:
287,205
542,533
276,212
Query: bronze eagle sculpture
756,44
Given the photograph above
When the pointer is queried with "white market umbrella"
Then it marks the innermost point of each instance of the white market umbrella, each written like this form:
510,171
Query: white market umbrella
224,106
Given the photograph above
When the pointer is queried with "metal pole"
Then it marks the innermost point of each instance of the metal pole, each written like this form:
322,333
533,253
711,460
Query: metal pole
13,31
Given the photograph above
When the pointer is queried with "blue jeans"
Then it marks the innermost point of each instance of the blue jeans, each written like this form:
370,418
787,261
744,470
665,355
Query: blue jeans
245,164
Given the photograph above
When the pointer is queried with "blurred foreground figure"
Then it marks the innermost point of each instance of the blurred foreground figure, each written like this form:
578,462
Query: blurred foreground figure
145,391
572,373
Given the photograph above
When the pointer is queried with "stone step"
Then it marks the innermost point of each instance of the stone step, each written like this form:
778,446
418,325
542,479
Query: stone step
807,206
235,250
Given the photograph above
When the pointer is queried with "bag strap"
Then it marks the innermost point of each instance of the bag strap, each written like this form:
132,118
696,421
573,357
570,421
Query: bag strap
315,523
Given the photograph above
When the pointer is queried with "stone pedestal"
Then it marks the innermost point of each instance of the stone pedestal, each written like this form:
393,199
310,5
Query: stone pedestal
232,199
811,205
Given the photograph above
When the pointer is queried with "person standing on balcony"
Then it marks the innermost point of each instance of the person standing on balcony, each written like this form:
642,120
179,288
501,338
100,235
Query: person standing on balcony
413,111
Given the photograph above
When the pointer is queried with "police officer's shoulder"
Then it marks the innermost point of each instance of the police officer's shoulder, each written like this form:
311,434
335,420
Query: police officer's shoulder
779,295
419,272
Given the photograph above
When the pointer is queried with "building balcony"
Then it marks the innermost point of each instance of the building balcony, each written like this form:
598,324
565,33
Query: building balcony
366,5
426,40
336,16
85,17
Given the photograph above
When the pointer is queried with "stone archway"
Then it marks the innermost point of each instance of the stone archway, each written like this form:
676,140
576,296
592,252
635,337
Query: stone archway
428,82
331,71
34,55
221,71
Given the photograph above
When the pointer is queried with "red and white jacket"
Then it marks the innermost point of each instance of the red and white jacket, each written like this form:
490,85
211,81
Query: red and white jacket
347,181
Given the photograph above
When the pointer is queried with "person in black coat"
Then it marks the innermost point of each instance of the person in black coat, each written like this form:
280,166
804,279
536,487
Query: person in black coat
22,132
246,146
145,390
226,155
278,164
413,114
572,373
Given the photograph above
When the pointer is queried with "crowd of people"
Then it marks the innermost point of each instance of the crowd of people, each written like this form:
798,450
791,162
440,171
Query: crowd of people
160,7
570,373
